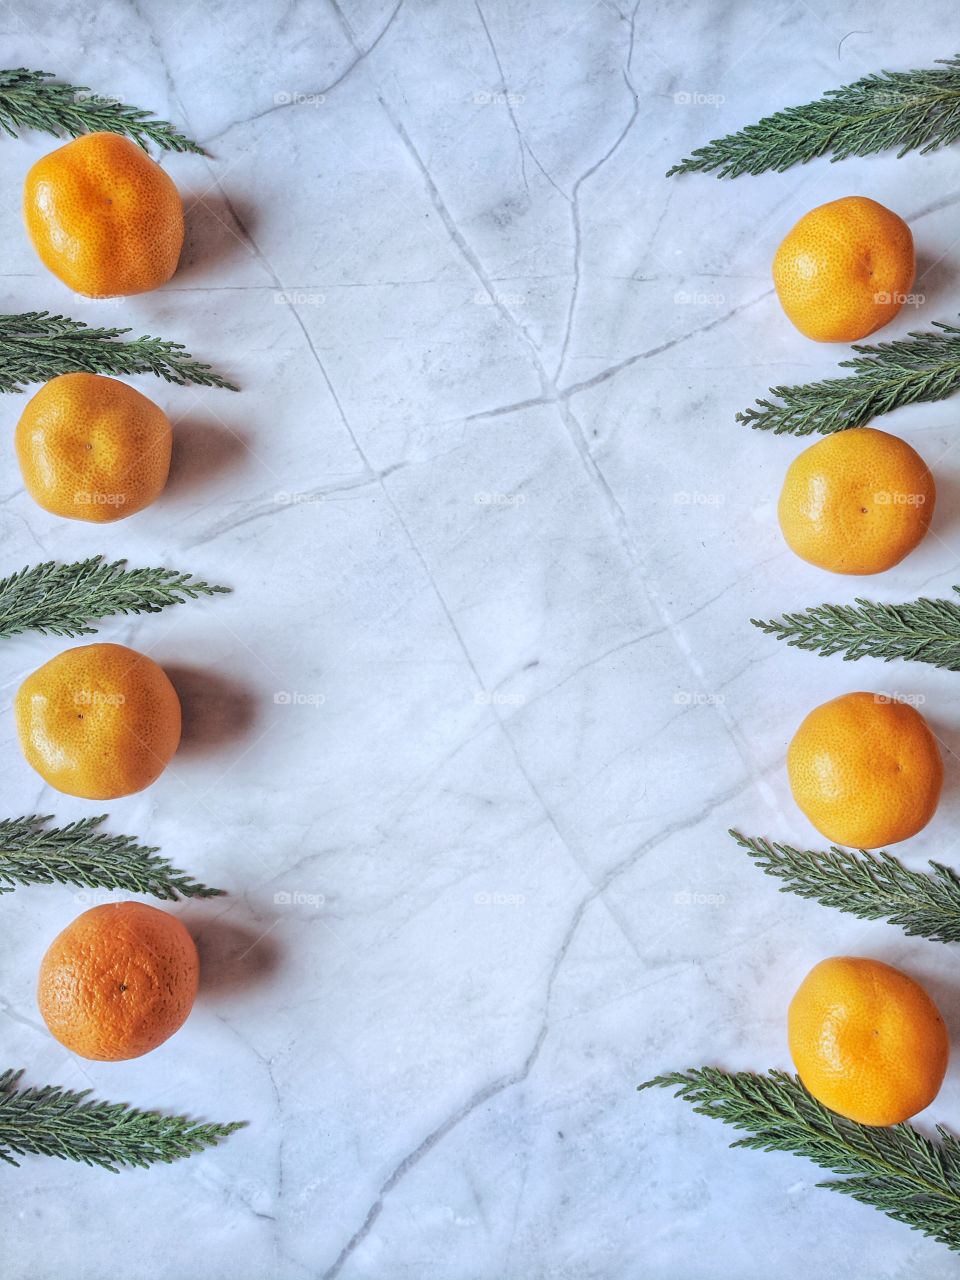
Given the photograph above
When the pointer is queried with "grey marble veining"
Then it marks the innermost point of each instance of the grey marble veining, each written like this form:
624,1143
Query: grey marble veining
464,743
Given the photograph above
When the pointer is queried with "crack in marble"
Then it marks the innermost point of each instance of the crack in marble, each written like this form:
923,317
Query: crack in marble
935,206
267,1065
548,387
604,375
501,1084
360,56
477,267
460,242
477,1099
504,89
624,645
504,409
575,388
301,324
274,506
524,146
575,197
24,1021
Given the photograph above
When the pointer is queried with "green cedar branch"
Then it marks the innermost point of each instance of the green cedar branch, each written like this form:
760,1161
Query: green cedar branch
31,852
906,110
63,599
37,100
36,346
897,1170
868,885
921,630
920,368
50,1121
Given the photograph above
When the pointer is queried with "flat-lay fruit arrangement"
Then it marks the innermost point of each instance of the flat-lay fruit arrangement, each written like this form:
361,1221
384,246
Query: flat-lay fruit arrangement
98,720
868,1043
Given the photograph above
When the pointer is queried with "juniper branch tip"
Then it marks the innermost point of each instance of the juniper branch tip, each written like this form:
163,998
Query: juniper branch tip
890,110
52,1121
38,100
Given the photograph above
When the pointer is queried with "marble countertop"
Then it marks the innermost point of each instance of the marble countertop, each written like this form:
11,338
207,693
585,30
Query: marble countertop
464,743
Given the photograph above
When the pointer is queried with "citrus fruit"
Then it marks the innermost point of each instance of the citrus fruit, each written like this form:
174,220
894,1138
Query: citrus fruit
867,1041
118,981
104,217
92,448
856,502
98,721
845,269
865,769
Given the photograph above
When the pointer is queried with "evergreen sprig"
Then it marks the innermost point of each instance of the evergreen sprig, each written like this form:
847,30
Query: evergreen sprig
36,346
898,1170
869,885
51,1121
31,852
906,110
922,367
919,630
36,100
63,599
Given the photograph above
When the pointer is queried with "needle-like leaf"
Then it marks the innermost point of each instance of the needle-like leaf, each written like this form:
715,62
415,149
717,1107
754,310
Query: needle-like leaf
902,110
922,367
918,630
867,884
51,1121
898,1170
63,599
37,100
36,346
31,852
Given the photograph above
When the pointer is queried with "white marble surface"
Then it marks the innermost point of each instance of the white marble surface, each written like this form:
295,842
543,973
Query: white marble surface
488,516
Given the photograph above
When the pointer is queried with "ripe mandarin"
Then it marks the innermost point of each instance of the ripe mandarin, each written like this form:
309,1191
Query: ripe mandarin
91,448
104,217
867,1041
98,721
118,981
845,269
858,501
865,769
